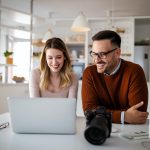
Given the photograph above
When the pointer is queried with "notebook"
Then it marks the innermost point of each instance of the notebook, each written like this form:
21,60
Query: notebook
43,115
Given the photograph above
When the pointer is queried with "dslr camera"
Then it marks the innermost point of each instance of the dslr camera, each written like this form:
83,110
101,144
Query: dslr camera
98,125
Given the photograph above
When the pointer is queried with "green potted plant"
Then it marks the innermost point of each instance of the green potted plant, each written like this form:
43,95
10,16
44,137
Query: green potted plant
7,53
8,56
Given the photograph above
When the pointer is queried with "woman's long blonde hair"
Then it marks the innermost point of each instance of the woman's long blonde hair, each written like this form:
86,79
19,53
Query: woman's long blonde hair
65,72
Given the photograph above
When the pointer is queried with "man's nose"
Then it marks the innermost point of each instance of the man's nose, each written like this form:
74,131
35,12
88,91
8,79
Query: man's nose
98,57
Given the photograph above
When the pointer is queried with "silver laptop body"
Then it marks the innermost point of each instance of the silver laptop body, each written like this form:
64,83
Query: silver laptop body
43,115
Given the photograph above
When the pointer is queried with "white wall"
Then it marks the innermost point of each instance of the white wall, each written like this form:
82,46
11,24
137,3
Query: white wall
8,90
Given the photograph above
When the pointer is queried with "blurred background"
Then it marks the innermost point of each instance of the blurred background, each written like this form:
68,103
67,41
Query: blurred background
26,24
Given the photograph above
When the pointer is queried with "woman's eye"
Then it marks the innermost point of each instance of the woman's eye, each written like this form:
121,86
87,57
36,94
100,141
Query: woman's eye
50,58
59,57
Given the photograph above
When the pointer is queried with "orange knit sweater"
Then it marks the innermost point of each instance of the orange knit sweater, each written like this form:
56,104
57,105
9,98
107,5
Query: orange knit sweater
117,92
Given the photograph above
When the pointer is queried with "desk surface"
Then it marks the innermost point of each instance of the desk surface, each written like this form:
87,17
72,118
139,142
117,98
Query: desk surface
12,141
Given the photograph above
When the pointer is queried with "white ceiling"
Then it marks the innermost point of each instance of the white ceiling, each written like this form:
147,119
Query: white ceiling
47,12
91,8
69,9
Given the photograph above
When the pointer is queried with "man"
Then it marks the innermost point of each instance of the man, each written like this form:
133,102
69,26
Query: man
112,82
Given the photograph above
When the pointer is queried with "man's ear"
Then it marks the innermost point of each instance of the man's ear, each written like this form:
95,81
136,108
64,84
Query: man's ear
118,52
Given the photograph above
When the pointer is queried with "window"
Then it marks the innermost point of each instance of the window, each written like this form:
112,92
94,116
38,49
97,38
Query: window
21,59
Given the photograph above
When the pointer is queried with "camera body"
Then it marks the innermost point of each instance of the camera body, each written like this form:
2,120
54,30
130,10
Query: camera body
98,125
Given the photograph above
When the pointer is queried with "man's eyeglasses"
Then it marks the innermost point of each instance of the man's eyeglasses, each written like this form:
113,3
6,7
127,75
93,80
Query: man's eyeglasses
101,54
4,125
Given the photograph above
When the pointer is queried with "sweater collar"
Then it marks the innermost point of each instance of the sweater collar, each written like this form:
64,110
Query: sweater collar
115,71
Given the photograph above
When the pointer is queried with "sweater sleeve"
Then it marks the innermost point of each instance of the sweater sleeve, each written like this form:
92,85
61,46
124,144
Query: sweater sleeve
89,95
138,90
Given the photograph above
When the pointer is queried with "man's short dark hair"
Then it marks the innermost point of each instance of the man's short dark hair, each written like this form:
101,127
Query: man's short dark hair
108,34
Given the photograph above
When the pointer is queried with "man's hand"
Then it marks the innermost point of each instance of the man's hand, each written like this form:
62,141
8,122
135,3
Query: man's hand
134,116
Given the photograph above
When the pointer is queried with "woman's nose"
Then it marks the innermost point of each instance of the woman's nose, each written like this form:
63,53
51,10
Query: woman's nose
54,61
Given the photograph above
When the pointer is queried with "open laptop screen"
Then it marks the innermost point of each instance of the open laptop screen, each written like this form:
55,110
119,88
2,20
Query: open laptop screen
43,115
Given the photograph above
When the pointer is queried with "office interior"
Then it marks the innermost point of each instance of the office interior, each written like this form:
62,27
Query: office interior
25,24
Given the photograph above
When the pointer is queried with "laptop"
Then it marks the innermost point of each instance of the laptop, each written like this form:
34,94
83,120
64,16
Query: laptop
43,115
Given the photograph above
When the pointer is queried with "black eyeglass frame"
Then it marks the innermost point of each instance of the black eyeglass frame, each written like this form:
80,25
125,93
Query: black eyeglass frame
102,54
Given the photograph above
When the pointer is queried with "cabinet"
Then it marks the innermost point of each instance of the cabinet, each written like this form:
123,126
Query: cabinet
124,27
77,51
142,44
142,31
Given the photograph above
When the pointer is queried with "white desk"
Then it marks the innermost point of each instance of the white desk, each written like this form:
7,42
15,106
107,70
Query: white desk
12,141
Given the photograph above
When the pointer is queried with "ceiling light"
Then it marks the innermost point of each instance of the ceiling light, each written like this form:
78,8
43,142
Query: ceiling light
80,24
47,36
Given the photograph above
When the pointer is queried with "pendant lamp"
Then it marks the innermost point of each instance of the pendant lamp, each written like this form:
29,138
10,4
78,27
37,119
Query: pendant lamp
47,36
80,24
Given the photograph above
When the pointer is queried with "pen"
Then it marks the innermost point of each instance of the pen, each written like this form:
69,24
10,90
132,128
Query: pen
4,125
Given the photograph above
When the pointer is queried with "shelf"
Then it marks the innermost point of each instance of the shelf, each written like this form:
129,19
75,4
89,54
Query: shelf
75,43
6,70
7,65
126,54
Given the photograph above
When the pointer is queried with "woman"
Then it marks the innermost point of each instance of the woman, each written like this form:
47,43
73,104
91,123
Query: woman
54,77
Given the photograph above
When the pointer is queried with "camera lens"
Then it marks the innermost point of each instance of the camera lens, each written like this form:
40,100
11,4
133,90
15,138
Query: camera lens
98,126
95,135
97,131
